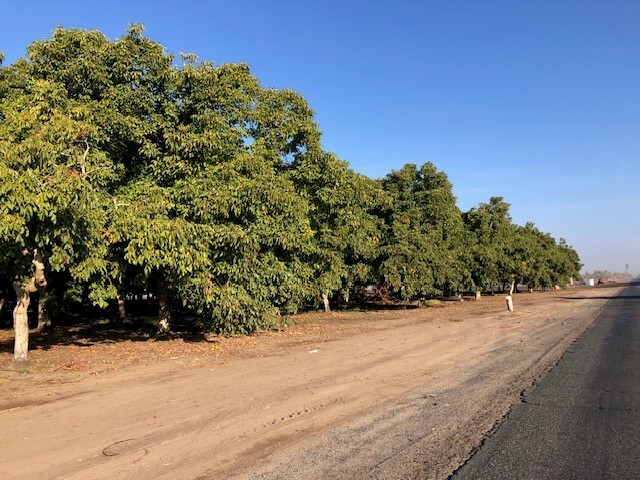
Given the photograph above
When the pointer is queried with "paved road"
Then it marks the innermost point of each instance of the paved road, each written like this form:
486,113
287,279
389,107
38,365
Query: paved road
582,419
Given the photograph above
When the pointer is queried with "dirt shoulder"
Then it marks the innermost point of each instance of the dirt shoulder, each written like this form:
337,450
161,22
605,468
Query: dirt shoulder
391,394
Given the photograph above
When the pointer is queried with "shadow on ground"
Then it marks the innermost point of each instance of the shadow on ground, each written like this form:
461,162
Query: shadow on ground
88,334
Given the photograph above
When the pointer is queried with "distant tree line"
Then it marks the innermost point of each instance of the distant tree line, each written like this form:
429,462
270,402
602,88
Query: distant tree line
124,170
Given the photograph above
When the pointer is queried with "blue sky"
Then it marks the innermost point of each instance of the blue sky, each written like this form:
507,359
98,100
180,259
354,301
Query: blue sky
535,101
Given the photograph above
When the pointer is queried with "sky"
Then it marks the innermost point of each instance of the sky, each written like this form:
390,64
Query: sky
536,101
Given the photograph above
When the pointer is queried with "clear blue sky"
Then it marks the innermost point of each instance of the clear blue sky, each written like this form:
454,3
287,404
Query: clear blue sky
537,101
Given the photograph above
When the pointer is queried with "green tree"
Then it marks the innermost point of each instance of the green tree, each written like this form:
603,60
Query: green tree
235,147
424,243
346,220
491,235
51,196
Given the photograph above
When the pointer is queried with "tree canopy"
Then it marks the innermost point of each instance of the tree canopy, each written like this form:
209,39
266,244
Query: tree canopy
123,168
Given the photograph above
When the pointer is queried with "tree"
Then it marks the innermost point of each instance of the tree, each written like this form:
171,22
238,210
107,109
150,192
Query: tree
231,152
567,263
491,234
121,92
51,197
424,241
257,228
346,221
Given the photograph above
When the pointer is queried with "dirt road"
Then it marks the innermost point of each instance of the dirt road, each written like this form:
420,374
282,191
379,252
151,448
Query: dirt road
396,394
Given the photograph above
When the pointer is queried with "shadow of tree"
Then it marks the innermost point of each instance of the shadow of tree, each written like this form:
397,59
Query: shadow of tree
87,334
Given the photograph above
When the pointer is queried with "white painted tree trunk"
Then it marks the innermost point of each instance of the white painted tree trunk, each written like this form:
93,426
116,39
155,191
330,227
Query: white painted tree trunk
20,318
478,295
509,303
510,296
325,301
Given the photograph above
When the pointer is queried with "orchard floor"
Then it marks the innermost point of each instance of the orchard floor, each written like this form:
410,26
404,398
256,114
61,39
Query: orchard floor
377,394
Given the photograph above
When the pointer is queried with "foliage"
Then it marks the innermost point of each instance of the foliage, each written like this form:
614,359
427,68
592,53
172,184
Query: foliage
346,221
127,169
491,235
49,197
424,242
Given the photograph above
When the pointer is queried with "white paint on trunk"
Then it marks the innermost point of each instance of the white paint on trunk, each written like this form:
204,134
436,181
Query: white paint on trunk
509,303
325,301
20,319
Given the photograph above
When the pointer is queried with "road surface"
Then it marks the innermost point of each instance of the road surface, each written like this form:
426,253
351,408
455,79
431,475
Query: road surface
581,420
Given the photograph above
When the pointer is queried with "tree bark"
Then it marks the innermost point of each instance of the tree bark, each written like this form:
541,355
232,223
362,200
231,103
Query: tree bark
122,310
512,287
122,307
44,319
478,295
325,301
20,319
164,307
2,302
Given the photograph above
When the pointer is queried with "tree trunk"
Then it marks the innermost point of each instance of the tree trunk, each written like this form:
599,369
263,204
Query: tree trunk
478,295
20,319
164,307
510,296
325,301
122,310
44,319
509,303
122,307
2,302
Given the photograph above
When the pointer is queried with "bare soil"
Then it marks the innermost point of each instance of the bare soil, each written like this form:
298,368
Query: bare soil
378,394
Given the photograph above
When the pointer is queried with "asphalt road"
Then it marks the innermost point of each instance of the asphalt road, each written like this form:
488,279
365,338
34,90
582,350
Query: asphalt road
581,420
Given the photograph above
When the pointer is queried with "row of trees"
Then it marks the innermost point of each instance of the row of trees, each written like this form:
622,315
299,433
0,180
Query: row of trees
122,170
